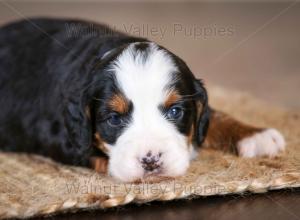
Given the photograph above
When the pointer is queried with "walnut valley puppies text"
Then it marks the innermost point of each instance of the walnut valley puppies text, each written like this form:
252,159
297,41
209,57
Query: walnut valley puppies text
194,31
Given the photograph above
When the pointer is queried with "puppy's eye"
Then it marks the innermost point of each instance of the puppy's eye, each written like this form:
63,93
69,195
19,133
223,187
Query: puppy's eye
175,113
115,120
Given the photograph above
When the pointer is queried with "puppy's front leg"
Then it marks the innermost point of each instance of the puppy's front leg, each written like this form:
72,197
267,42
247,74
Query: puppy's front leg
228,134
99,164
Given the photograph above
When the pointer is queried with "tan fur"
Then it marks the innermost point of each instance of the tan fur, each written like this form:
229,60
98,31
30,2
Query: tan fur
119,104
98,142
224,132
191,135
172,98
99,164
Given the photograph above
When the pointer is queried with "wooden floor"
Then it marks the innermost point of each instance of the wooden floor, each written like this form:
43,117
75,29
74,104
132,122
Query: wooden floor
275,205
253,47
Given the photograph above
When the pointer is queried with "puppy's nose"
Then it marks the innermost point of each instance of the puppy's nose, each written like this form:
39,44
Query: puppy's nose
151,162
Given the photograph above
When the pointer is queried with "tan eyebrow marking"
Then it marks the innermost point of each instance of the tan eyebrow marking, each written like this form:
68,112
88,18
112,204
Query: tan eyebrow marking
119,104
172,98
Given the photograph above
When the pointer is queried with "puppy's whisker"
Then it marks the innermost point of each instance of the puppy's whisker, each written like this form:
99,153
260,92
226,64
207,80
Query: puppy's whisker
187,99
97,99
191,95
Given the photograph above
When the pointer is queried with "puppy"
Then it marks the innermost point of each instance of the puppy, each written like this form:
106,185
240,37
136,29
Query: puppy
81,97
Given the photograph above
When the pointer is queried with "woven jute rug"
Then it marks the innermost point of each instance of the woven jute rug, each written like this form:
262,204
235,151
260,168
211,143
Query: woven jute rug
33,186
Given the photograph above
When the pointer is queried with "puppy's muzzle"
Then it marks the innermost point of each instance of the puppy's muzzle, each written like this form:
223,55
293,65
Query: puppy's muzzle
152,163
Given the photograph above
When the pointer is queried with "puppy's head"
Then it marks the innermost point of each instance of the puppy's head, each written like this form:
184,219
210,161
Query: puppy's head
148,113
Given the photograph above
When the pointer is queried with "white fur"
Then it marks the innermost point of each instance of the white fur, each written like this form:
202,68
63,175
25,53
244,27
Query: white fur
266,143
144,83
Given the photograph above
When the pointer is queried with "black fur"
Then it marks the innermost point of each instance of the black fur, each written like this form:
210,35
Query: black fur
202,123
49,77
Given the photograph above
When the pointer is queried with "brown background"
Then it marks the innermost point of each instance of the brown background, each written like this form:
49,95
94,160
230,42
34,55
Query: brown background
259,51
250,46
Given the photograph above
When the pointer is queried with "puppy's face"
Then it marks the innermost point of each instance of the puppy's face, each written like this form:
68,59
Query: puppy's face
148,114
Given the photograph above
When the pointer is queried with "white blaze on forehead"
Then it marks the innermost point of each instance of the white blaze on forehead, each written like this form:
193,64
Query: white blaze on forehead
141,78
144,79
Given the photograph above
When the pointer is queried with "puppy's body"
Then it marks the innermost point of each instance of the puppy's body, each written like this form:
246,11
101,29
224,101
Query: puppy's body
42,66
75,97
37,71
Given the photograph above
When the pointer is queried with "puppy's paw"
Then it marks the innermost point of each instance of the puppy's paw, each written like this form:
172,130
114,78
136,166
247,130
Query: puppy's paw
268,142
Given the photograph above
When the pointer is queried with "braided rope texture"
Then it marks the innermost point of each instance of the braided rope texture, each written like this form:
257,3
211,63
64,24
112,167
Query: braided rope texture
35,186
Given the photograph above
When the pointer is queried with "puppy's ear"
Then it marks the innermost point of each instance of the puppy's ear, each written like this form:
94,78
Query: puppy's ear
78,123
203,112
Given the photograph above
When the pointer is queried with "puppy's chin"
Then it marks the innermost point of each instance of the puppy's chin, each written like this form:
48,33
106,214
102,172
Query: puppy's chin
127,174
153,178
